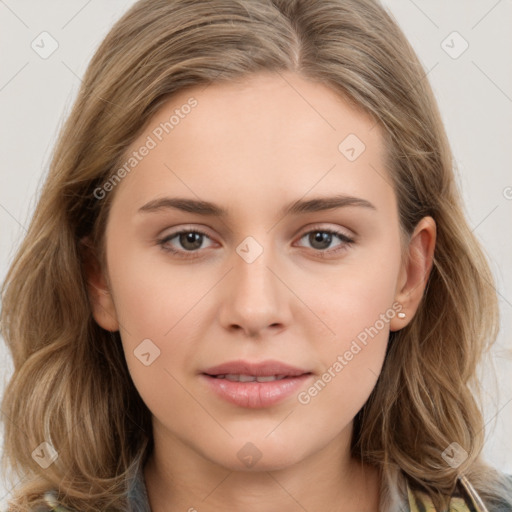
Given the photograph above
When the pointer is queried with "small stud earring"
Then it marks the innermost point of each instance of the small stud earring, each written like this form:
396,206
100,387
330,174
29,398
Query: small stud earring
401,315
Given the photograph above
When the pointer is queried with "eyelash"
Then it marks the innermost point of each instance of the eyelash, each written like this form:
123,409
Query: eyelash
346,242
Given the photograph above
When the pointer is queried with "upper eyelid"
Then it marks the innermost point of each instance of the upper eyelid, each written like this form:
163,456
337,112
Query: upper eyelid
186,229
317,227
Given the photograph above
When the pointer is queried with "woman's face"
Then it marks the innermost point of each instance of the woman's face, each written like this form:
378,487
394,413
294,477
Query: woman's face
300,275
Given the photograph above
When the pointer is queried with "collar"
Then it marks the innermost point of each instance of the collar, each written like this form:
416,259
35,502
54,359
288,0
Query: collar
464,499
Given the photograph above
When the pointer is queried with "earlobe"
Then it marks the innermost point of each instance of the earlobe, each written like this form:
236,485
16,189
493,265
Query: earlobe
415,271
100,298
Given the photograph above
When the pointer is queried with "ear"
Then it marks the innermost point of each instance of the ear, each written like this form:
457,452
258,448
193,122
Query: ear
98,290
415,271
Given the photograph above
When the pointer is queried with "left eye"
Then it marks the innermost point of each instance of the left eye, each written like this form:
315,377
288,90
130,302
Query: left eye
321,239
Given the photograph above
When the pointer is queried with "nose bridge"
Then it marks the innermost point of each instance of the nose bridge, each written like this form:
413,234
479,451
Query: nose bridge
255,298
253,282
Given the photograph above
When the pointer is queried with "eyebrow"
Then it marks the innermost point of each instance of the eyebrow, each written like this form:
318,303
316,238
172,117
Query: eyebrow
300,206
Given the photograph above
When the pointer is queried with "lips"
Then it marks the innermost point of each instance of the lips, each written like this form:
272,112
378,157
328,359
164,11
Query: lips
264,369
255,385
233,377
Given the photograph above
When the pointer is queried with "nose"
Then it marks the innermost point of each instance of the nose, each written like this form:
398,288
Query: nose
255,301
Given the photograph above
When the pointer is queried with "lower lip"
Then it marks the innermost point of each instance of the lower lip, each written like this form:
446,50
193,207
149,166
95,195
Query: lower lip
256,395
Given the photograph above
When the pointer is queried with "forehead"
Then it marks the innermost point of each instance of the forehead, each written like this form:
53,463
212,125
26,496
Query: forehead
272,134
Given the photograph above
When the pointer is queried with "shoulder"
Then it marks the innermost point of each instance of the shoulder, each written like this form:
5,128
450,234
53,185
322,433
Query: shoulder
464,499
420,501
504,502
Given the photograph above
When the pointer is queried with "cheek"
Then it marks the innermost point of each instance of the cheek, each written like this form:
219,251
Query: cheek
158,332
151,295
354,304
351,359
157,307
352,296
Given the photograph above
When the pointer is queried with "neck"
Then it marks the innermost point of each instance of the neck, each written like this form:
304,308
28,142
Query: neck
329,480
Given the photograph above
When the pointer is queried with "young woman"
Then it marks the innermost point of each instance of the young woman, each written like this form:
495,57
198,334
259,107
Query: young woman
248,283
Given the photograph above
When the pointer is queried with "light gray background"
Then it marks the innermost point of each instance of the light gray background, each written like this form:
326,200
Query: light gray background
474,92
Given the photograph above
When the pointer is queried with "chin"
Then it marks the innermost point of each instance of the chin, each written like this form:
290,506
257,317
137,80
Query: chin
260,455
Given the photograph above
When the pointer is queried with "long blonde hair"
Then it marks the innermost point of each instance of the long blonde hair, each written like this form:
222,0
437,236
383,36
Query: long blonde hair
71,387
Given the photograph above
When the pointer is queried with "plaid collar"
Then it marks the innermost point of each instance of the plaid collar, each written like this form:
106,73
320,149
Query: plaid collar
464,499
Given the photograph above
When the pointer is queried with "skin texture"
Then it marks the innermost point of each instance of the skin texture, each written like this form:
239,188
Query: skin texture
253,147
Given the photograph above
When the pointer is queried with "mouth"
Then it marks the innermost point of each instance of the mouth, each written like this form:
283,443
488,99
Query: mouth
233,377
255,385
250,371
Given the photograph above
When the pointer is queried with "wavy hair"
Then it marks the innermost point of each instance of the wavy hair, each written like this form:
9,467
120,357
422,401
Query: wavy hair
71,386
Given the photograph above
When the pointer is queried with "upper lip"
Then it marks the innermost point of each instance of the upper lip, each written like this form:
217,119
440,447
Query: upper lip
262,369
